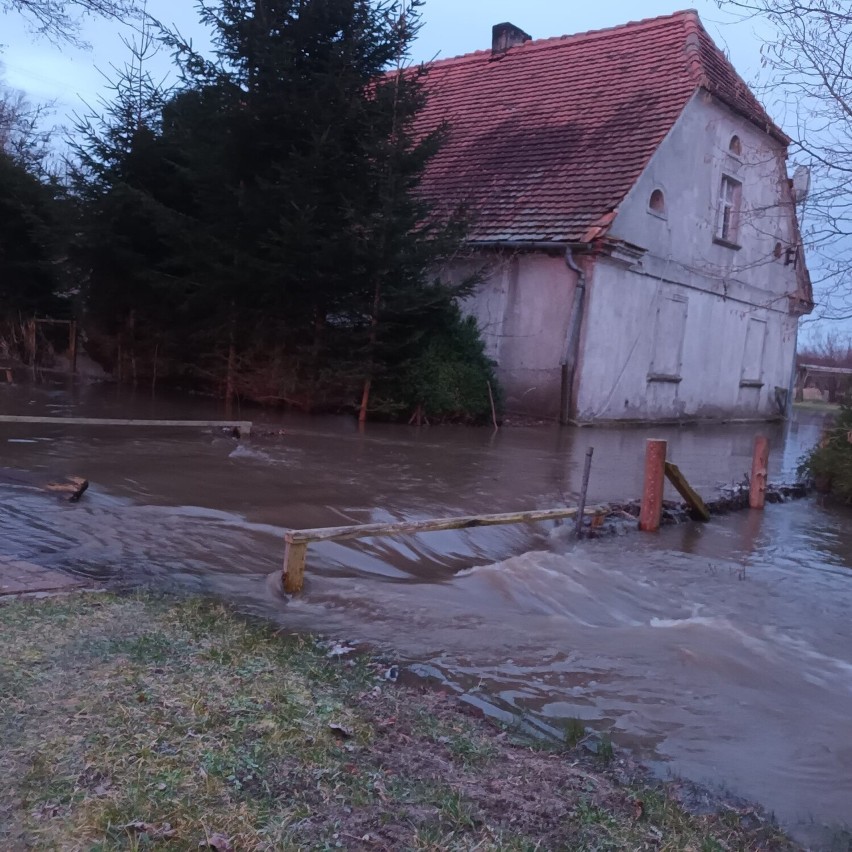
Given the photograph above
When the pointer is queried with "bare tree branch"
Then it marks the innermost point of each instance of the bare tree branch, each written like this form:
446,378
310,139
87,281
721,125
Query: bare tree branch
807,59
60,20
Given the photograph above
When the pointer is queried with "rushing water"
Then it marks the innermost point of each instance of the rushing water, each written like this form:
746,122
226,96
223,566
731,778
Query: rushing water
721,652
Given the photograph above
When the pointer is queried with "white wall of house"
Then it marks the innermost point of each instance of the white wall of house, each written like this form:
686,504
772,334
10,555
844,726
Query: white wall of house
698,327
523,307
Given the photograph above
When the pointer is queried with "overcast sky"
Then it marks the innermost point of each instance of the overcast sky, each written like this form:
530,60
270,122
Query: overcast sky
64,74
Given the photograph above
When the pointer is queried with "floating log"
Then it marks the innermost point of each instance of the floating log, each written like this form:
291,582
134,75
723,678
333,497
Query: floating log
297,541
242,428
698,508
72,486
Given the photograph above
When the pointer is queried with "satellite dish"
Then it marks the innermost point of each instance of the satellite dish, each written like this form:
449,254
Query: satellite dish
801,183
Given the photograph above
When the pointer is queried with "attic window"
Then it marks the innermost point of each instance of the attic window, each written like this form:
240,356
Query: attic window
728,212
657,203
778,250
736,146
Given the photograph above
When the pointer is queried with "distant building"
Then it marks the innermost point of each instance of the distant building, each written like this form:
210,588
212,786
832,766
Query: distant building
641,152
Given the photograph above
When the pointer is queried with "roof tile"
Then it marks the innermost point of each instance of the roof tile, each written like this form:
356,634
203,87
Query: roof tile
546,139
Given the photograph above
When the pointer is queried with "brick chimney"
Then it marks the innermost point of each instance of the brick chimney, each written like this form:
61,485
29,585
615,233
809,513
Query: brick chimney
506,36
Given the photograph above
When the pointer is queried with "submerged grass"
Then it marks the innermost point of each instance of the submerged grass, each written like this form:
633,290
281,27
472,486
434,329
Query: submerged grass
132,723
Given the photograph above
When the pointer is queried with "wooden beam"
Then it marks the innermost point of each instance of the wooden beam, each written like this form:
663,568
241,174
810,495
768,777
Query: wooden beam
700,512
243,427
297,541
431,525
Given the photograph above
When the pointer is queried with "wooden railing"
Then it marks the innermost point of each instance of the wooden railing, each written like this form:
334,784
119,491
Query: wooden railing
297,541
243,427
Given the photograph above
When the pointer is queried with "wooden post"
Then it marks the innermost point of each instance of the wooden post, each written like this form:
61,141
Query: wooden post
651,510
759,467
294,566
72,345
581,508
31,343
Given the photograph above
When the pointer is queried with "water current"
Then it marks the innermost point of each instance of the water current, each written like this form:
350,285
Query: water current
720,652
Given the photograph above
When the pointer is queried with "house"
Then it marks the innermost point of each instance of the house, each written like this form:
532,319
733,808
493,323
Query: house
633,218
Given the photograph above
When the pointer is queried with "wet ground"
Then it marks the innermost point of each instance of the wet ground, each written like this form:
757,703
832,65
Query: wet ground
721,651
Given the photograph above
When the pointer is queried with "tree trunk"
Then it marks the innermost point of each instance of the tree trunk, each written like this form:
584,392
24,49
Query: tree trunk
131,328
230,382
368,382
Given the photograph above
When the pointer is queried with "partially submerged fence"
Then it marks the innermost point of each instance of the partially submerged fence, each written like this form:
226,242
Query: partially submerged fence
297,541
240,427
657,469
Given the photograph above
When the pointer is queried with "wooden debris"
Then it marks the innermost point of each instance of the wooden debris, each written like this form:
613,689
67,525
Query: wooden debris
698,508
73,486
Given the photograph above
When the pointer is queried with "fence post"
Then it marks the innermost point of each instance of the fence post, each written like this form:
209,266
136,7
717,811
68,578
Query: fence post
584,489
651,510
72,346
294,566
31,344
759,467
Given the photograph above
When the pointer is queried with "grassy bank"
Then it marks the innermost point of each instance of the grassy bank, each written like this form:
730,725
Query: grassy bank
140,723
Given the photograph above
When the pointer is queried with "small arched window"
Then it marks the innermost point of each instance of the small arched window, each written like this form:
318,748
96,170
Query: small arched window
778,250
657,202
735,146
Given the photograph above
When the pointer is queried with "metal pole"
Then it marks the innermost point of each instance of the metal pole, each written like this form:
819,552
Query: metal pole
584,490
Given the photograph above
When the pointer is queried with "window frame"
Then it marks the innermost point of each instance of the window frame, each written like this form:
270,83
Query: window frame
662,213
729,212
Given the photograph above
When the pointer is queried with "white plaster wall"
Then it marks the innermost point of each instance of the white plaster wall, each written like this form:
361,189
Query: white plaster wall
523,308
724,287
618,351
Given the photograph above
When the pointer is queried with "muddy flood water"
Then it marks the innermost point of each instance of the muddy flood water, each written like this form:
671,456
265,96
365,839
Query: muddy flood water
720,652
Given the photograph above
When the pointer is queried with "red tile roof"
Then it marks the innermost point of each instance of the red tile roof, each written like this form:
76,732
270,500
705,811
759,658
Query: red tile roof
547,139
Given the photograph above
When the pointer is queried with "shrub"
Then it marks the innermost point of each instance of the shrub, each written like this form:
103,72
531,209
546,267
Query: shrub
448,375
829,464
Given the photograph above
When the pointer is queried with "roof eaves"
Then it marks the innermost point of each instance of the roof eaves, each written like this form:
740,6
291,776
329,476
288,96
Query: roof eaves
694,50
769,127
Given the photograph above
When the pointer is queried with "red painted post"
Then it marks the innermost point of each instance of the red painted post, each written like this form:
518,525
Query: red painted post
759,467
651,510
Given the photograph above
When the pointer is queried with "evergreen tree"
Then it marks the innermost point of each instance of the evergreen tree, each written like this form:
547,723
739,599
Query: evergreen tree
32,223
265,215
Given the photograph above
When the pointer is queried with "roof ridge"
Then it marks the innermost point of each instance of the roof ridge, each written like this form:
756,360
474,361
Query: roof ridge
642,23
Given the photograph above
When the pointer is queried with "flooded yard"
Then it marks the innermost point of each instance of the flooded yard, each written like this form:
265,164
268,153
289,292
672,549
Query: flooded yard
717,651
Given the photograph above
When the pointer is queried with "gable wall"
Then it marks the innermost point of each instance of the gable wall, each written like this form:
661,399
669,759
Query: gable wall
691,301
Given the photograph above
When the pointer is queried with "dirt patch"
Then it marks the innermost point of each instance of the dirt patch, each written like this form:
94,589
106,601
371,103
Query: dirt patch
140,723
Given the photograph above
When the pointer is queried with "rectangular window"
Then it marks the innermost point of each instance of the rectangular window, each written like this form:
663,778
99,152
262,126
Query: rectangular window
728,214
668,339
755,343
